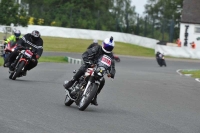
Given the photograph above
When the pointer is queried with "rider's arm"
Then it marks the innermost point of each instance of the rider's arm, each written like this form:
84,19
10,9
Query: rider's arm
113,71
40,47
90,54
9,39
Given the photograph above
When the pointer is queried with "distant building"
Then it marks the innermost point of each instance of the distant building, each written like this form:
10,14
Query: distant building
190,23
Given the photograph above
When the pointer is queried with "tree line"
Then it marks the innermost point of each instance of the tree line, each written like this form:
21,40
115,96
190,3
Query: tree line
108,15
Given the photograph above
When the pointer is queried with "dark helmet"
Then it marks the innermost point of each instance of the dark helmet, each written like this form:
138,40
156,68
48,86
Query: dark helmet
158,52
17,34
35,35
108,45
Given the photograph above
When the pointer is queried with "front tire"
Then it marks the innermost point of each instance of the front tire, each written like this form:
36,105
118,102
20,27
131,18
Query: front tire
86,100
18,70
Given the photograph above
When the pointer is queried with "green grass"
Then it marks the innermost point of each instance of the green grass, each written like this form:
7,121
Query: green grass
80,45
1,61
59,59
194,73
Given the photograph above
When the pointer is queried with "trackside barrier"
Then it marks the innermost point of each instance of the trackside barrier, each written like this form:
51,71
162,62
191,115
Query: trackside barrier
73,60
180,52
87,34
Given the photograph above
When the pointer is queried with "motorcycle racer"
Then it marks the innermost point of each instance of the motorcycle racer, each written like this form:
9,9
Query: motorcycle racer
32,40
90,58
17,35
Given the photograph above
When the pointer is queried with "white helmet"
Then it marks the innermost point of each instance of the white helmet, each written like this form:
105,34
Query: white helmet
108,45
17,33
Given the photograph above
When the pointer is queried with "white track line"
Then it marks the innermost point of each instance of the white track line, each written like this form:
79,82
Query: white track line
178,71
197,79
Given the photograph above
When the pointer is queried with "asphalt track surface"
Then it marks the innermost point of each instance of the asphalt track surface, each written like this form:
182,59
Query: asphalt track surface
143,98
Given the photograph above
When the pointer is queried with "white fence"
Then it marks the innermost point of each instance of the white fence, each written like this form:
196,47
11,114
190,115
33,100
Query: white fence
87,34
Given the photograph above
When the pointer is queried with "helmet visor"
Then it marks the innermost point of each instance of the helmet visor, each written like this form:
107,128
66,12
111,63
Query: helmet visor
108,47
17,35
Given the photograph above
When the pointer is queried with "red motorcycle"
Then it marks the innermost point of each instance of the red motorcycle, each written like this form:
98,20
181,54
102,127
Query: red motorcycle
117,59
9,48
23,59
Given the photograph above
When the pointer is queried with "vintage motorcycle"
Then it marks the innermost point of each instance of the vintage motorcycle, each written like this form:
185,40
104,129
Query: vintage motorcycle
9,48
23,59
85,89
161,60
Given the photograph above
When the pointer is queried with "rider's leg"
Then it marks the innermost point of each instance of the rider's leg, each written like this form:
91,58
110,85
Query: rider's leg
102,83
77,75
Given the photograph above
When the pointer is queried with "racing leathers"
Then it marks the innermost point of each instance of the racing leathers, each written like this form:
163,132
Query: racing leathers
90,57
27,42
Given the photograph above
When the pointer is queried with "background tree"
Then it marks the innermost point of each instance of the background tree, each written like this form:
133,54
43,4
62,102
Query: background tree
11,12
163,13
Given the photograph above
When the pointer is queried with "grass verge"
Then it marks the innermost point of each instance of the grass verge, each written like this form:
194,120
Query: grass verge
58,44
194,73
1,61
57,59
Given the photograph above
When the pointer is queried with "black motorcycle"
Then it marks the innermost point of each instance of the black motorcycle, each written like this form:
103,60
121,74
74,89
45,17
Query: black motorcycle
85,89
161,60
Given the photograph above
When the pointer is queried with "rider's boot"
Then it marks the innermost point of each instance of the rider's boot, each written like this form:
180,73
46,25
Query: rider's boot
24,72
69,84
7,64
11,68
94,101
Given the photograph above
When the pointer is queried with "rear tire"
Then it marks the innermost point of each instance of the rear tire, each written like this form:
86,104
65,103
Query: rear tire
18,70
68,101
86,100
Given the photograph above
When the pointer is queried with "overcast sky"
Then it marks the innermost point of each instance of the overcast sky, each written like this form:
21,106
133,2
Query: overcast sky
139,5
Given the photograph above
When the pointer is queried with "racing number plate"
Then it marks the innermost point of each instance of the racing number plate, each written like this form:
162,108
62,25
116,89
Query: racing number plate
28,53
106,60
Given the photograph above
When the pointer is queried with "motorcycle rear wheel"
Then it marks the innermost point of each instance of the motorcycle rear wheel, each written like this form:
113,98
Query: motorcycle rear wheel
86,100
18,70
68,101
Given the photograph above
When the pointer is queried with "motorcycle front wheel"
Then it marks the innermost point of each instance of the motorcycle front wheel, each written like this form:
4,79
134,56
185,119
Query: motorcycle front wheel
18,70
86,100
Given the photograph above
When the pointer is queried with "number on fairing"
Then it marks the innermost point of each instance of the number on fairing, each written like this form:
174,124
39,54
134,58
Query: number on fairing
28,53
106,60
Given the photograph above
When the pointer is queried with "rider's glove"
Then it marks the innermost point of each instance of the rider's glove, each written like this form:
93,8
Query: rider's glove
109,75
37,56
90,64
